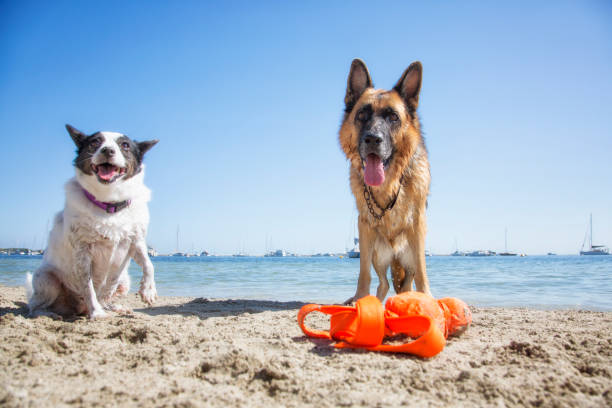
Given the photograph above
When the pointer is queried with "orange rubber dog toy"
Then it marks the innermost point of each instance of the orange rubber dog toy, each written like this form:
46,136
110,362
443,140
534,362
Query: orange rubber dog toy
415,314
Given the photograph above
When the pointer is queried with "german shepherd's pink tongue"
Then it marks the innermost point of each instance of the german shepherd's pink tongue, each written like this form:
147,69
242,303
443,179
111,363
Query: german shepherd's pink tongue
374,173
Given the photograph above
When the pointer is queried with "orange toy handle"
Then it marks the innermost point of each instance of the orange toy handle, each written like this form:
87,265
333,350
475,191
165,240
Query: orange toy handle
307,309
362,325
430,343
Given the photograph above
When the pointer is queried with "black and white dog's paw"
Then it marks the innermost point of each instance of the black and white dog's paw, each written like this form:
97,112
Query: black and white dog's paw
148,293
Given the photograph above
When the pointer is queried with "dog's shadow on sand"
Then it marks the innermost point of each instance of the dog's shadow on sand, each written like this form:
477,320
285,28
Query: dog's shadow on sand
200,307
205,308
20,310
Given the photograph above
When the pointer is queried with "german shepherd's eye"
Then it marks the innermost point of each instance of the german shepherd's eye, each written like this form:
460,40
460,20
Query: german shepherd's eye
390,115
125,146
363,115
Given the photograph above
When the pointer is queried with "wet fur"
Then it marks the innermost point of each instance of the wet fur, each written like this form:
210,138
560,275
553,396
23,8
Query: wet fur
398,239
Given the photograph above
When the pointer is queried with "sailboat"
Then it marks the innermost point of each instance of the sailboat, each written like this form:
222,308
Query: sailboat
593,249
178,253
506,253
457,251
354,253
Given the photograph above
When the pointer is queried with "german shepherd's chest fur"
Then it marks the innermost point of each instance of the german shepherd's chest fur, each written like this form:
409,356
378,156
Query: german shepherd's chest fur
402,220
389,176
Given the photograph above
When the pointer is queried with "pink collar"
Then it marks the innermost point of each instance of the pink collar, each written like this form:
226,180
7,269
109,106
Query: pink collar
110,208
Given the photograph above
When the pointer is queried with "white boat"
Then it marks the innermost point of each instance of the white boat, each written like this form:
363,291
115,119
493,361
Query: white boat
278,252
480,252
593,249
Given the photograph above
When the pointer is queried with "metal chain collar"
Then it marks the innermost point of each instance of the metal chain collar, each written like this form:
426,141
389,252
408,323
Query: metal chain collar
369,197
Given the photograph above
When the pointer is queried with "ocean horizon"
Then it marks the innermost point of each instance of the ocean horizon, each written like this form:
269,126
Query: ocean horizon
540,282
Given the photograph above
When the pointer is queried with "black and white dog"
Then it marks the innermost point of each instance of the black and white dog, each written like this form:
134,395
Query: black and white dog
103,225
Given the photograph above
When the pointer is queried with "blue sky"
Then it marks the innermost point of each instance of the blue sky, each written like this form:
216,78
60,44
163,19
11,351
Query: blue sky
246,100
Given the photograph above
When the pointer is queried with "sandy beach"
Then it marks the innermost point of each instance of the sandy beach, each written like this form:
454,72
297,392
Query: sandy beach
191,352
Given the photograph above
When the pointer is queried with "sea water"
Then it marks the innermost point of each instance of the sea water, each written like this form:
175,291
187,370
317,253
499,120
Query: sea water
544,282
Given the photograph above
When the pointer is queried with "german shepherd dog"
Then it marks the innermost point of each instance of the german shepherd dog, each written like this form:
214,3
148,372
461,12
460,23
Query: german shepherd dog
389,175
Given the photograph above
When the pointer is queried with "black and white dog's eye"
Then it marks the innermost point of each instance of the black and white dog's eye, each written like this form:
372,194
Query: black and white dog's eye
125,145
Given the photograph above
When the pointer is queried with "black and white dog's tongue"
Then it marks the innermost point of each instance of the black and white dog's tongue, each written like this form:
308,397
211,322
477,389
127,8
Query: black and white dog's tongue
106,171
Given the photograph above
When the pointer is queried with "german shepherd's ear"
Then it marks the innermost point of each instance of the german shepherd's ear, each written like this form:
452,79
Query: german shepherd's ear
77,136
358,81
409,85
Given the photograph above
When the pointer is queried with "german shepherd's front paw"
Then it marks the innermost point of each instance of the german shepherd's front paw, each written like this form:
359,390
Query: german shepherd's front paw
350,301
358,295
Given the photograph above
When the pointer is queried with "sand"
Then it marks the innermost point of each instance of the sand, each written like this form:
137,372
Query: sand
192,352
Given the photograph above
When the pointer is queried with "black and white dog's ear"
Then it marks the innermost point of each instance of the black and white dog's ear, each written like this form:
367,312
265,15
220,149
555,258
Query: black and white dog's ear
145,146
77,136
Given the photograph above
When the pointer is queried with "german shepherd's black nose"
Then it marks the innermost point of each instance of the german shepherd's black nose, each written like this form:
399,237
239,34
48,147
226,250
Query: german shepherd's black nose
371,138
108,151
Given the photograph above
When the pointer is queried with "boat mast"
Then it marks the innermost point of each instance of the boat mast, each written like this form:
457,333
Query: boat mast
506,239
591,229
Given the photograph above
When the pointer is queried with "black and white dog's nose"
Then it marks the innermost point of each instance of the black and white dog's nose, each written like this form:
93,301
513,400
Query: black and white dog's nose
108,151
